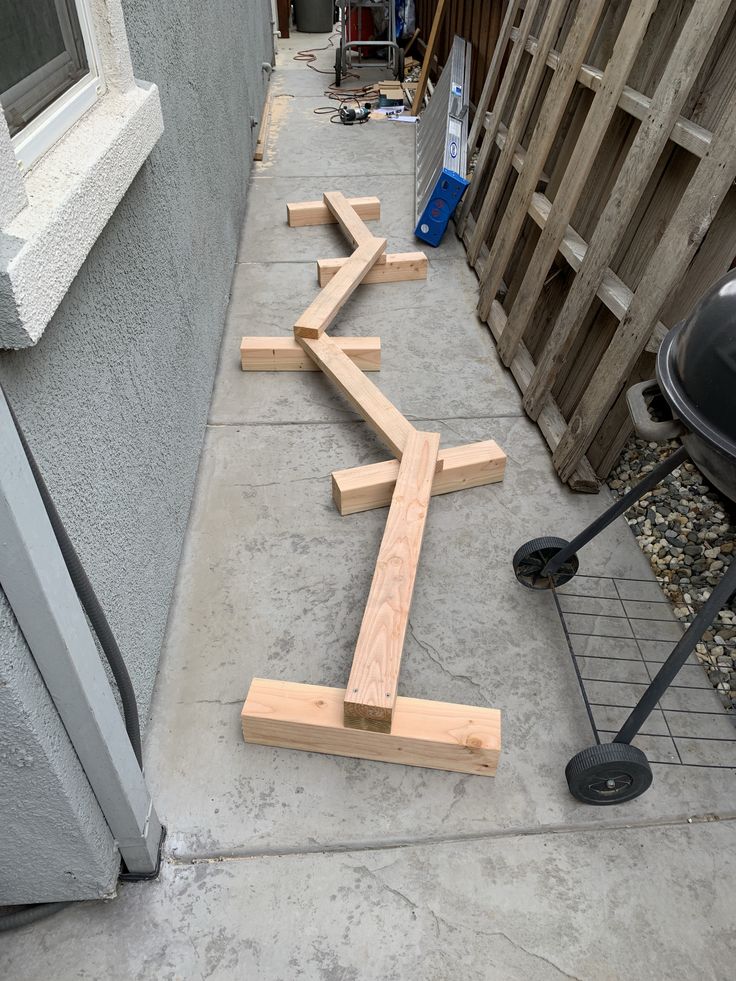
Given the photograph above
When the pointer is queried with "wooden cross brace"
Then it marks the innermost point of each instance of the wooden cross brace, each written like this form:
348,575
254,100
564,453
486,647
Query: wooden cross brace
368,719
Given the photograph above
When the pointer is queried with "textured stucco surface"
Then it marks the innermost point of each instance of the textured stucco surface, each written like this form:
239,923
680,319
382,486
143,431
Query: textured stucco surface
114,397
12,194
72,193
60,831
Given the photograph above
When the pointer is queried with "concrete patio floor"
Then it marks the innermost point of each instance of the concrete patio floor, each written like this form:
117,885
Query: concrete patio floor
285,865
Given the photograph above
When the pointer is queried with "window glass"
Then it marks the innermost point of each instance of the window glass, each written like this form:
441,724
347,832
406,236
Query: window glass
41,56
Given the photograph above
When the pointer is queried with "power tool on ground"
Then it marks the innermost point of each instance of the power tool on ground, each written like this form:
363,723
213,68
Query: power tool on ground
349,116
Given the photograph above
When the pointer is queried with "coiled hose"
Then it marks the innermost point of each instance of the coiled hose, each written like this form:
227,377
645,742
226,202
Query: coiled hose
98,620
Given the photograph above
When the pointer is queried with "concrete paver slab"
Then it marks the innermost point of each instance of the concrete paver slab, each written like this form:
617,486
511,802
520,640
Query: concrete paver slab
302,144
518,908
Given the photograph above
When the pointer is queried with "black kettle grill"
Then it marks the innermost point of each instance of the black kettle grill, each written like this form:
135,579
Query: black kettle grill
695,388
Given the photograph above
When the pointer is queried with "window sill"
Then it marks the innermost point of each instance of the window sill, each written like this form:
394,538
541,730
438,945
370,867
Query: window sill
72,192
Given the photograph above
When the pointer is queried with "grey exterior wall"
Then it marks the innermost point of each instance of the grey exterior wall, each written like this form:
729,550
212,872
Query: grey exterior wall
114,399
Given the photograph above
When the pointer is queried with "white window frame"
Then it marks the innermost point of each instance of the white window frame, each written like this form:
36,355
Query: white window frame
86,147
60,115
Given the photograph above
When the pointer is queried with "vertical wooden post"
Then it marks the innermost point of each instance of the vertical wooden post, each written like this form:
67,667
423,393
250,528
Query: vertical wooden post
428,55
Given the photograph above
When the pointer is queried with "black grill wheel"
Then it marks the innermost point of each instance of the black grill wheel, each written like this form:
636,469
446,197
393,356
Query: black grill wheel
610,773
531,559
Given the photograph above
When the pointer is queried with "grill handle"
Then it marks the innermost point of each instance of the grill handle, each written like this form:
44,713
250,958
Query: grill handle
647,428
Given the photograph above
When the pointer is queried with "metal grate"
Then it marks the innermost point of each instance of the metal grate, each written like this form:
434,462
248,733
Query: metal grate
619,631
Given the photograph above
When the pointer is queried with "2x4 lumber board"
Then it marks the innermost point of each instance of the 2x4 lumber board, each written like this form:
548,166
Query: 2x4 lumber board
324,308
493,72
679,74
499,108
381,415
552,110
397,267
581,161
428,55
437,735
352,225
372,486
687,134
301,213
285,354
374,676
517,125
669,262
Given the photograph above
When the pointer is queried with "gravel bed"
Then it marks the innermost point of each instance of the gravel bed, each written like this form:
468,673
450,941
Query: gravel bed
688,531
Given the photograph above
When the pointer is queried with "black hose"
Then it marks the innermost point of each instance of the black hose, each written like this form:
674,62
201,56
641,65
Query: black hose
31,914
89,601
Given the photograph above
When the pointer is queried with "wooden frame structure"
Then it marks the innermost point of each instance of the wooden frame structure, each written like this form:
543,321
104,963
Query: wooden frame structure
368,719
602,202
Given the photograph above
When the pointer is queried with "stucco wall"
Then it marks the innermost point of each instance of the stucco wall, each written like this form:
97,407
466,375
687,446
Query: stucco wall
114,397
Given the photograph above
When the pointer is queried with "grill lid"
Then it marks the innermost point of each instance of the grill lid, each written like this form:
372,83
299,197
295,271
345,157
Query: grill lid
696,367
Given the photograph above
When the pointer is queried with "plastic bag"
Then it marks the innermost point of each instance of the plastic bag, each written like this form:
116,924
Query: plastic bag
406,18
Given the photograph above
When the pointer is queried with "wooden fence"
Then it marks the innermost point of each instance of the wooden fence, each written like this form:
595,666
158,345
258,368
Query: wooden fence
602,203
475,20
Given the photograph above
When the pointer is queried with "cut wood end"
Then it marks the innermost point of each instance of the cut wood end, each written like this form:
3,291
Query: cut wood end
313,332
369,718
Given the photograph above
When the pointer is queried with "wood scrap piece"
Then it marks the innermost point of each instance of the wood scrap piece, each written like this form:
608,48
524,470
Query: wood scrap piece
381,415
353,226
364,488
410,44
428,55
389,268
301,213
285,354
438,735
324,308
263,128
374,676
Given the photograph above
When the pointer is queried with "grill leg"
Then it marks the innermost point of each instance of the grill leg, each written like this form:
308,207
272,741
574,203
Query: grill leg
666,674
616,509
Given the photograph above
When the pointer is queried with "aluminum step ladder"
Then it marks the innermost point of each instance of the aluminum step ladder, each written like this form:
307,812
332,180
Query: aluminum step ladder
442,147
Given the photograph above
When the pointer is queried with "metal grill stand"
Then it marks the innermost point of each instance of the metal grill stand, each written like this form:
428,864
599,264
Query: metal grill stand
611,773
